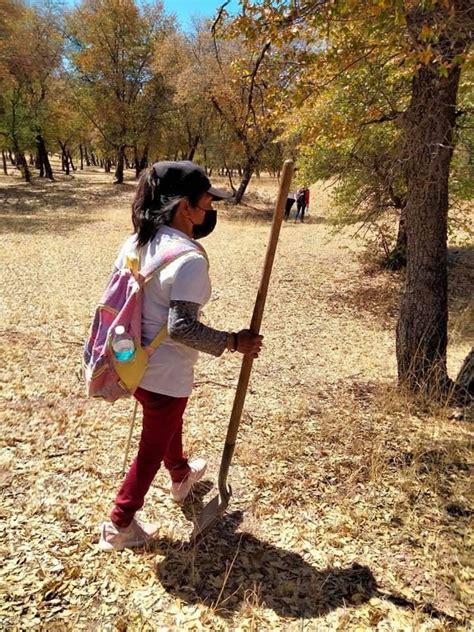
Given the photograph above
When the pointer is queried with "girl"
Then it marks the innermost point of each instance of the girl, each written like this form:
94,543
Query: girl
172,206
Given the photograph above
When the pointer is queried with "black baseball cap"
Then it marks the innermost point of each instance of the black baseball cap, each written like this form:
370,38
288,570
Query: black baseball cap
184,178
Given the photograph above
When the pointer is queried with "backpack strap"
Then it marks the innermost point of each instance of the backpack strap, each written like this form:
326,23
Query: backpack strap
149,271
163,333
148,276
158,339
132,262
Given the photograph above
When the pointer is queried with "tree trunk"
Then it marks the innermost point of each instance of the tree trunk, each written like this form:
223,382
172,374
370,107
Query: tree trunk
11,158
120,165
193,146
86,156
401,245
64,158
20,160
4,162
143,161
137,161
39,165
246,176
69,155
22,165
143,164
397,258
45,165
422,325
465,378
81,157
229,173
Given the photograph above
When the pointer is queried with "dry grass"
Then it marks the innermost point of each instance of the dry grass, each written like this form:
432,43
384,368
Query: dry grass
351,505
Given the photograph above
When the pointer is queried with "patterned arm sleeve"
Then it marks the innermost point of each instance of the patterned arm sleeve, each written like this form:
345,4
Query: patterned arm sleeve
184,327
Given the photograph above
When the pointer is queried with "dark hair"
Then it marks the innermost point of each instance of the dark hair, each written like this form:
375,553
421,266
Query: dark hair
151,209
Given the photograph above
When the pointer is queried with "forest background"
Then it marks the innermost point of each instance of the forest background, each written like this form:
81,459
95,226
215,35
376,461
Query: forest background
373,99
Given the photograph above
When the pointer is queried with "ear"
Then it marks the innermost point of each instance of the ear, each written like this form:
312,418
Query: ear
184,209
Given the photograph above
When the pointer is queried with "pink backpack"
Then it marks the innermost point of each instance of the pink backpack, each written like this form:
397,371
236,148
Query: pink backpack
121,304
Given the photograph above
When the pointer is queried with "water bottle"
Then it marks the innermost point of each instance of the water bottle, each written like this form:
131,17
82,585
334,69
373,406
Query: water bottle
122,345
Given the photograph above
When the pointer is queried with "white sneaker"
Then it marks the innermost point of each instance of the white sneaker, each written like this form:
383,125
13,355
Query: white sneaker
117,538
180,491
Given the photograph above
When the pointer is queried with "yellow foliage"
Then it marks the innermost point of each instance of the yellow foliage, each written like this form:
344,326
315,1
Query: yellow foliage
425,55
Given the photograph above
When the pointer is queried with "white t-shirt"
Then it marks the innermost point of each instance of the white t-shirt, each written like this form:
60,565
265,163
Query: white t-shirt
170,369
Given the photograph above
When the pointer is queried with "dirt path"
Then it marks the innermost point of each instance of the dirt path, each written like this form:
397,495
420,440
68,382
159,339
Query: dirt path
339,483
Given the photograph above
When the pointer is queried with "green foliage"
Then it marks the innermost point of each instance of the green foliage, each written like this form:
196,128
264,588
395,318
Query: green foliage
462,166
17,127
462,172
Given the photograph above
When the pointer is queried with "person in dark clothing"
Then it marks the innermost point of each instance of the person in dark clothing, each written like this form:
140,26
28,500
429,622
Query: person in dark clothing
290,200
302,202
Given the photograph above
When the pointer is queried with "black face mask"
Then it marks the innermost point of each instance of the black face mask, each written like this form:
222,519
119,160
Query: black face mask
207,226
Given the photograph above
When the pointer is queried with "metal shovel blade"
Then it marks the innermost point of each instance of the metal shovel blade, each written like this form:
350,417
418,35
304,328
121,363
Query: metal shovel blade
210,514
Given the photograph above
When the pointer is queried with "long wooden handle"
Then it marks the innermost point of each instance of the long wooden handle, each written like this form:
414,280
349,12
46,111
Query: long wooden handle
260,302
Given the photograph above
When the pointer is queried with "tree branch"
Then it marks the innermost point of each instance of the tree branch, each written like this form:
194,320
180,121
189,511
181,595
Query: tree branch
252,80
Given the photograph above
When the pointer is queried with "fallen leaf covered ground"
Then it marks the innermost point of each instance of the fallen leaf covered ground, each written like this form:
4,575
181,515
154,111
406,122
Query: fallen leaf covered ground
351,503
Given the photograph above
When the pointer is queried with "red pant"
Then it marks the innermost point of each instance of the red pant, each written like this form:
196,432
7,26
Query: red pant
161,440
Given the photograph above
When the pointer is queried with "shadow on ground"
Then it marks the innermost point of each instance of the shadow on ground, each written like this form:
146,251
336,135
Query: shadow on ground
56,207
40,225
378,293
444,471
229,570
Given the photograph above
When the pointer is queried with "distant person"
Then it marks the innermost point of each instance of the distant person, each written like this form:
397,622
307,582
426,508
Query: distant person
290,200
302,203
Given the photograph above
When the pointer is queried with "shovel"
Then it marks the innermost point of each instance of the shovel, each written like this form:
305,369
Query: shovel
218,505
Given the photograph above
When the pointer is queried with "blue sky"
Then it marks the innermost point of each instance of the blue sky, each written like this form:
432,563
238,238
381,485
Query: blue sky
186,9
